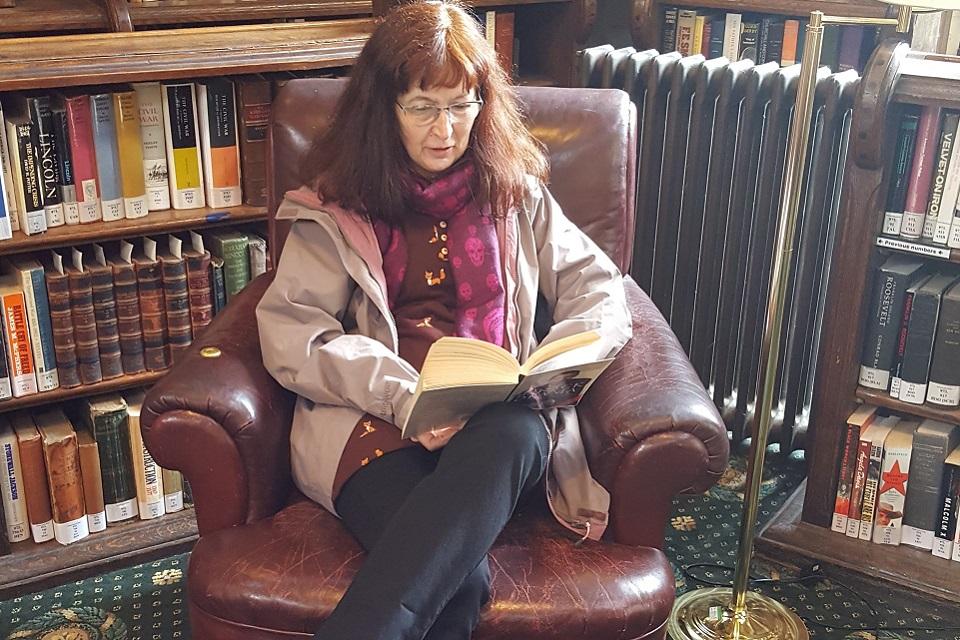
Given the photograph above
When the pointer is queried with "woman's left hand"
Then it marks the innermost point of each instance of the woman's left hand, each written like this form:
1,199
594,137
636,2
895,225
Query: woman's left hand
436,438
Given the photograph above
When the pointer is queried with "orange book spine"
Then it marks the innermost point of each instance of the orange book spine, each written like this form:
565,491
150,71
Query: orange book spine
19,352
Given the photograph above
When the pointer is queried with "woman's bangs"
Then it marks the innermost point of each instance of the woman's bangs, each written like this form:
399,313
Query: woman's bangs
446,66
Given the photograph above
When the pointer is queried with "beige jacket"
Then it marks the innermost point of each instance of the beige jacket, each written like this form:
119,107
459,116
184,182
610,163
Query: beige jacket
327,334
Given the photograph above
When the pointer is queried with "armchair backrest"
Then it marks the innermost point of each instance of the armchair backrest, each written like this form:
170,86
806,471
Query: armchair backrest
590,136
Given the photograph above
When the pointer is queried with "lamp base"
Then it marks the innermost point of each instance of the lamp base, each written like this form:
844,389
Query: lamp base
707,614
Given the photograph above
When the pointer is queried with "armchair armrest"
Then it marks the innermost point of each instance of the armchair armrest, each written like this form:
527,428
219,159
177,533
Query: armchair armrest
224,421
649,427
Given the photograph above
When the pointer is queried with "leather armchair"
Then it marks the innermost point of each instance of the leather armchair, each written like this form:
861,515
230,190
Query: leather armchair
271,564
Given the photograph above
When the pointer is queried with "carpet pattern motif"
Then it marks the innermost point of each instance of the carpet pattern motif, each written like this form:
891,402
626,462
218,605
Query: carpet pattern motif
147,601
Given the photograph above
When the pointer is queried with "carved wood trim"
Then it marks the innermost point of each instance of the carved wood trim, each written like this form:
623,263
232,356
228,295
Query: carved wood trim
118,13
645,24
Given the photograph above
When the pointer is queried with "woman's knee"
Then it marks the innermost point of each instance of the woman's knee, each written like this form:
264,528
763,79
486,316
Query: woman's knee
512,428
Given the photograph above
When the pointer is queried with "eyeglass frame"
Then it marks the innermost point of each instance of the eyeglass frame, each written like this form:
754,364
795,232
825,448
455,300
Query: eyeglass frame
450,115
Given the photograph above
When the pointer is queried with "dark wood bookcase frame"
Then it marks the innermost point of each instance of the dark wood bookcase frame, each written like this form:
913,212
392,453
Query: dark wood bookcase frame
894,76
47,44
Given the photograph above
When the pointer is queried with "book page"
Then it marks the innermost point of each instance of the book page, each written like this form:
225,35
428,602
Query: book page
544,354
454,362
451,406
558,387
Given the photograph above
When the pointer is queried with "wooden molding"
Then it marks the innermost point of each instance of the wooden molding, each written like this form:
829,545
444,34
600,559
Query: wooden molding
645,24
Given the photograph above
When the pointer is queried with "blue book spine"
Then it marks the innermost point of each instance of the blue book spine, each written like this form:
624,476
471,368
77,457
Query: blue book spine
43,317
717,26
108,156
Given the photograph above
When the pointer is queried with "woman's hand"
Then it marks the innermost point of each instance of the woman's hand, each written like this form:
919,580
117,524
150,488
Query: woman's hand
437,438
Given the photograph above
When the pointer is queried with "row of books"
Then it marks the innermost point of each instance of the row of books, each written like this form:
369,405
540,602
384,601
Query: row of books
66,477
761,38
115,310
899,482
84,155
922,198
498,28
911,344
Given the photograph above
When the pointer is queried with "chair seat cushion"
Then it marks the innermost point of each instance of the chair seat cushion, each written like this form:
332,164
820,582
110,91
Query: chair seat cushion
271,575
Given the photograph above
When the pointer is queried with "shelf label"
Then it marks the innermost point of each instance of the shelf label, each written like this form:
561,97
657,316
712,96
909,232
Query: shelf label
914,247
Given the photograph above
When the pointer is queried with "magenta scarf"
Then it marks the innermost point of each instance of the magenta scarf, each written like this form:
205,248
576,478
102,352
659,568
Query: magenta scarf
474,256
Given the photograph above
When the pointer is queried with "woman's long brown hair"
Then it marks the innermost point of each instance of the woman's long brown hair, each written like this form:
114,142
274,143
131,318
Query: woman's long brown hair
359,160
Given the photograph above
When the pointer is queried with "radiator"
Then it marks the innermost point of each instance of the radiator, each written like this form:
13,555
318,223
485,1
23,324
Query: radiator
713,136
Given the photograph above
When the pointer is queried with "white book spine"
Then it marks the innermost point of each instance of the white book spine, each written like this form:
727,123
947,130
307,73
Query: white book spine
155,171
43,531
946,395
46,372
912,392
120,511
173,501
97,521
874,378
11,485
948,198
183,155
151,503
70,532
6,177
218,127
731,36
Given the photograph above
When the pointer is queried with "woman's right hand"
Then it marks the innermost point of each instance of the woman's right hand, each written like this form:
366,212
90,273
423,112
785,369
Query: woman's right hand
436,438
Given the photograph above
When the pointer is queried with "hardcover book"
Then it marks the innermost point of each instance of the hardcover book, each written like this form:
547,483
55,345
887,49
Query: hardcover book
937,214
92,481
920,334
16,334
84,324
173,269
127,298
932,443
146,472
155,174
65,179
877,433
11,485
61,321
890,283
894,479
896,370
92,262
231,247
900,172
253,95
48,167
858,421
107,154
62,458
8,202
182,145
216,106
922,169
153,316
449,390
126,118
944,386
106,418
33,283
34,477
946,529
83,155
198,283
24,159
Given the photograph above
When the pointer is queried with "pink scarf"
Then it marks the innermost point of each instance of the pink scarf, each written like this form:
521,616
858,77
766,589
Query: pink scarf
474,255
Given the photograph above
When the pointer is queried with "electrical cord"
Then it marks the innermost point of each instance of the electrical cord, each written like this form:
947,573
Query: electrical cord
814,573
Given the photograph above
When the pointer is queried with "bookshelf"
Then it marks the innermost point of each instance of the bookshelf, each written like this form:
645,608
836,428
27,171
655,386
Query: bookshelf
647,15
894,76
51,44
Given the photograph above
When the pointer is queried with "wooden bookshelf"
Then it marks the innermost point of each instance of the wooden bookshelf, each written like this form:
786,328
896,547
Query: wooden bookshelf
156,222
803,527
60,61
917,248
62,394
32,567
57,16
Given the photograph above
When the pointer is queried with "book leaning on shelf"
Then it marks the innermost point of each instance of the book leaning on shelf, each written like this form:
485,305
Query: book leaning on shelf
462,375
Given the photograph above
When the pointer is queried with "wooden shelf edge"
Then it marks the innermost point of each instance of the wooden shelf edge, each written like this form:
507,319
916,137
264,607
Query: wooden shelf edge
795,8
883,399
786,536
917,248
32,567
155,222
930,80
183,12
63,394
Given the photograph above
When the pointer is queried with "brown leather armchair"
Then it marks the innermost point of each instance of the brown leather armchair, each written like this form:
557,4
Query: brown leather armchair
271,564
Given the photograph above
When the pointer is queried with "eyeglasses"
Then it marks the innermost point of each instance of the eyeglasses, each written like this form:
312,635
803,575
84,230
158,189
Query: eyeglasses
423,114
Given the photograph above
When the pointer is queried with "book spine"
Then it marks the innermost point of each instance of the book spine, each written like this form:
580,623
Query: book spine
6,389
947,522
218,138
851,39
19,352
880,334
92,484
61,322
156,176
83,153
900,174
915,370
717,26
200,294
944,386
924,159
41,332
112,432
257,254
150,500
255,106
896,368
108,157
686,21
923,499
749,34
105,316
731,36
236,264
66,490
35,485
947,225
7,183
791,37
172,482
85,326
668,36
33,218
182,146
177,305
152,315
948,134
218,284
859,485
894,476
870,490
841,506
48,169
127,300
126,118
65,183
11,486
504,37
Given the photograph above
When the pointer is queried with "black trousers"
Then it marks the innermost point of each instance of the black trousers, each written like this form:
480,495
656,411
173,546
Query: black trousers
427,520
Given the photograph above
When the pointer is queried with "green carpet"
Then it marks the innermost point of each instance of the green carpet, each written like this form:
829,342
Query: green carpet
146,602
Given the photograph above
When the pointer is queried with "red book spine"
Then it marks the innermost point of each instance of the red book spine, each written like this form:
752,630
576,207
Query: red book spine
82,151
924,162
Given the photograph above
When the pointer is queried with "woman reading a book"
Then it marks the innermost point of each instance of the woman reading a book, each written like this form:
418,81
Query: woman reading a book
426,215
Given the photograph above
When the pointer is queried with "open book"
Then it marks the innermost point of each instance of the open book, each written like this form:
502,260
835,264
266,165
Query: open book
462,375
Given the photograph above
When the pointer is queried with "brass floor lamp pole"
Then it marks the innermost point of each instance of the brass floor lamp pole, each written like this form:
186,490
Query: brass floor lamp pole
735,613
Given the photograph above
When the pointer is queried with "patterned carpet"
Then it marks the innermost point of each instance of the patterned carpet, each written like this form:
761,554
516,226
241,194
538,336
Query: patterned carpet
146,601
